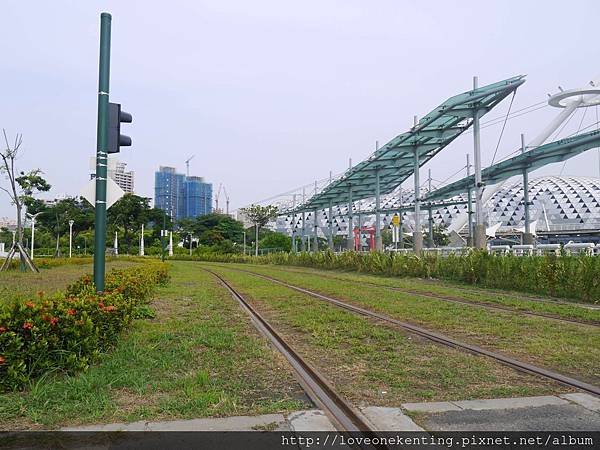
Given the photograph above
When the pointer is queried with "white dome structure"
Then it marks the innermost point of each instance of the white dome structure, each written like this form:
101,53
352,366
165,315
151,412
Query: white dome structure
559,204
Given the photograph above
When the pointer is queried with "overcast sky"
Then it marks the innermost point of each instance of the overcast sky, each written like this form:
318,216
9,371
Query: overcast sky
271,95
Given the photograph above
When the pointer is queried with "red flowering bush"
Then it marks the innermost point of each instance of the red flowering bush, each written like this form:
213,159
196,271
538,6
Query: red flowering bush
68,332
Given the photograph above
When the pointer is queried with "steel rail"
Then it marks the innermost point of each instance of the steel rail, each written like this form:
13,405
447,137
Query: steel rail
443,339
457,300
343,415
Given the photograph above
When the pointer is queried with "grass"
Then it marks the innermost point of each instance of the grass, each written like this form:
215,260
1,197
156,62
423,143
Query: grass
378,365
567,348
199,357
22,284
476,295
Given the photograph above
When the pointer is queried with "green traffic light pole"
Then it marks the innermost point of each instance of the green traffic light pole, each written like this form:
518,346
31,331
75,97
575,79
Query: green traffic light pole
102,153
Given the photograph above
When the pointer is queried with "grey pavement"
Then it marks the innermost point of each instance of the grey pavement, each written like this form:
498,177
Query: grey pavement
574,411
569,417
568,412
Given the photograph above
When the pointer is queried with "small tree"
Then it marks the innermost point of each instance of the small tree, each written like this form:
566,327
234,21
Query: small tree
259,216
22,186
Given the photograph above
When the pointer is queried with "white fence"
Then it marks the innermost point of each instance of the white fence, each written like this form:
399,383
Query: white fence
572,248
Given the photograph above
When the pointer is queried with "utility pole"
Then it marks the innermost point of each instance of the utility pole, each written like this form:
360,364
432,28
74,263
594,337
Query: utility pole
102,153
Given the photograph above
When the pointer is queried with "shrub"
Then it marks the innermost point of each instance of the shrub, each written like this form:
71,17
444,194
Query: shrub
562,276
67,332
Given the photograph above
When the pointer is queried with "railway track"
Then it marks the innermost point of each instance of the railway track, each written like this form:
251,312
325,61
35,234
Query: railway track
441,338
458,300
343,415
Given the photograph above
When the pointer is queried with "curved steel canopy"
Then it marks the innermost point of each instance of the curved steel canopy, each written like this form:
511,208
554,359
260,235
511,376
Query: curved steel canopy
395,160
552,152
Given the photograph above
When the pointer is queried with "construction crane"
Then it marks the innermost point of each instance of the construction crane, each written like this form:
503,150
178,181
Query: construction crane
187,165
226,201
217,210
217,195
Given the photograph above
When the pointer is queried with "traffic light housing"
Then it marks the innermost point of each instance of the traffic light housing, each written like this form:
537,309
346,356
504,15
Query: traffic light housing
116,140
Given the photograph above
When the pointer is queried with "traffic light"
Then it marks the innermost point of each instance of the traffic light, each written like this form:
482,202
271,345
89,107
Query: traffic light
116,140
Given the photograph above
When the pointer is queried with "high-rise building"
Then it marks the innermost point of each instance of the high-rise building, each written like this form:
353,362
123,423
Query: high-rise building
180,196
117,171
197,197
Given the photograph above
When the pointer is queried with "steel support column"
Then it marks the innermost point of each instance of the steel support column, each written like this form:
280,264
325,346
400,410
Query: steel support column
469,206
378,240
303,235
401,236
330,231
350,242
430,243
316,225
527,235
480,239
294,249
417,236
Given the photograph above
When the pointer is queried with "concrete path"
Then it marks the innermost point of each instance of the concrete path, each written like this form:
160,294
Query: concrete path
568,412
575,411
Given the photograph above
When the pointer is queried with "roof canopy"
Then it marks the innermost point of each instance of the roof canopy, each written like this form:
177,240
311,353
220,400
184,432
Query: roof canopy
394,162
533,159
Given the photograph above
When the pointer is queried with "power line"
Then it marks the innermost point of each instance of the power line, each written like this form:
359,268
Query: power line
503,126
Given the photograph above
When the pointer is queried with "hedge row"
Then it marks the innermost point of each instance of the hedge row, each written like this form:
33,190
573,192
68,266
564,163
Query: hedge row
561,276
49,263
67,332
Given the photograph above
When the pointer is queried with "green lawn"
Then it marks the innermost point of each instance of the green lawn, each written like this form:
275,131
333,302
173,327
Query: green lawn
567,348
22,284
200,356
563,309
378,365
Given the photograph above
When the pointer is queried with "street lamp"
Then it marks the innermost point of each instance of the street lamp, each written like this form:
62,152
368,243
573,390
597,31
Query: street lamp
33,217
190,244
71,222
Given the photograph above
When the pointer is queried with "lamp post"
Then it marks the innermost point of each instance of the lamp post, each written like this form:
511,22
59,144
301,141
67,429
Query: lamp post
162,237
142,250
71,222
244,243
190,244
33,218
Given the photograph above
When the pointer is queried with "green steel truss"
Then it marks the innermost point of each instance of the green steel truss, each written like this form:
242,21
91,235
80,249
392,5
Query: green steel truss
552,152
425,206
394,162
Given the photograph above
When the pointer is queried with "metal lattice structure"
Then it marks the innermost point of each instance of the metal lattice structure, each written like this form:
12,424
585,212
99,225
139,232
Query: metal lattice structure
396,161
530,160
557,204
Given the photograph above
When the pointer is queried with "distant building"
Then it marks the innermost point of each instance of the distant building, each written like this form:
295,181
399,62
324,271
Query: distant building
197,197
117,171
180,196
9,224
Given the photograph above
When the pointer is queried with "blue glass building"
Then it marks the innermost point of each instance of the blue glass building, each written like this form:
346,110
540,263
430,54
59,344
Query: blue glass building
180,196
